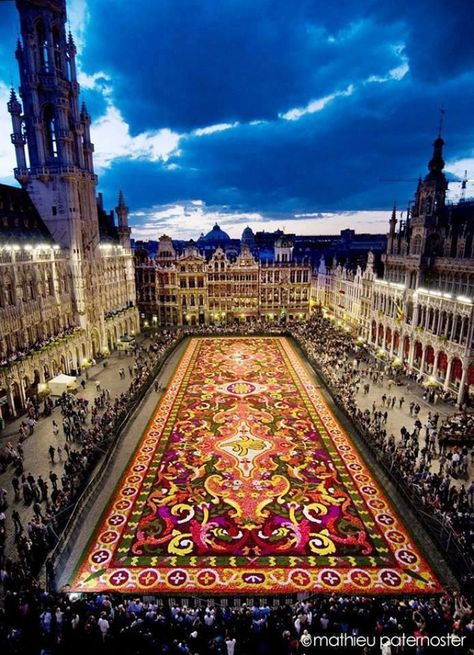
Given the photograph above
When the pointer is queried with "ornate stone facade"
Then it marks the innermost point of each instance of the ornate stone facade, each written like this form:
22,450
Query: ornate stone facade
67,287
421,313
189,289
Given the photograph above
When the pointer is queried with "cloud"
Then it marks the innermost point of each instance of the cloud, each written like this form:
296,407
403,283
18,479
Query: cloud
212,129
113,141
187,220
273,108
316,105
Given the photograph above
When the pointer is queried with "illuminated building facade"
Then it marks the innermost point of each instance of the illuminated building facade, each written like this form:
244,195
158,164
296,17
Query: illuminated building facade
421,313
189,289
67,287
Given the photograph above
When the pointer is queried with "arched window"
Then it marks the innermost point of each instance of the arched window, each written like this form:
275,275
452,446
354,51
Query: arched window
50,131
42,46
8,292
31,288
57,50
416,245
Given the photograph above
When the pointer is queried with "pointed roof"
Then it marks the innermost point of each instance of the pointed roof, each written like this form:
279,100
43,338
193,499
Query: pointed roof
436,163
121,201
14,106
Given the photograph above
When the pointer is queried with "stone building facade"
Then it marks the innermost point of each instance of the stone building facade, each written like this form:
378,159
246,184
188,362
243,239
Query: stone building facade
420,314
67,287
190,289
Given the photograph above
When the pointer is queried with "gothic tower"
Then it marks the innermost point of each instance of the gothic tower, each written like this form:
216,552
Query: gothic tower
428,212
123,228
56,167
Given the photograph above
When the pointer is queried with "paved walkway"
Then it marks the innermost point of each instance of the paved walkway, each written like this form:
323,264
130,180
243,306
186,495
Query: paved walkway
399,417
36,457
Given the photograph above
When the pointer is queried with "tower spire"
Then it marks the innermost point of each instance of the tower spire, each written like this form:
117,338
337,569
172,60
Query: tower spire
123,228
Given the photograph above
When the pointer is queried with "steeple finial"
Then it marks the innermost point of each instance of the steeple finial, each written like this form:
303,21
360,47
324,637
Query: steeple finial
14,106
85,116
441,121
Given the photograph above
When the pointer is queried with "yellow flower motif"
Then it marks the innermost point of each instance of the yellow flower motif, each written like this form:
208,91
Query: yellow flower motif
321,544
181,544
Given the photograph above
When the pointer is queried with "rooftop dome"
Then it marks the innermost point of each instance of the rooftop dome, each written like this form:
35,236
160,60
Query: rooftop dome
216,235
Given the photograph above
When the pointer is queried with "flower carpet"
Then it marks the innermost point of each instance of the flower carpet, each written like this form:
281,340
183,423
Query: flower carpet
244,482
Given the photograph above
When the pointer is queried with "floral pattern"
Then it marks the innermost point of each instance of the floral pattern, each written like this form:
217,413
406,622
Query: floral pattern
245,482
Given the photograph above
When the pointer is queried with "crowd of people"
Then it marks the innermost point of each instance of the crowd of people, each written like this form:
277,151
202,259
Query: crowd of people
110,623
88,432
17,354
420,457
33,620
459,429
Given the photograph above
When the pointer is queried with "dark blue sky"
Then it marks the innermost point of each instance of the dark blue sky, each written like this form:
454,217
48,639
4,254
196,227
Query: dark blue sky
266,112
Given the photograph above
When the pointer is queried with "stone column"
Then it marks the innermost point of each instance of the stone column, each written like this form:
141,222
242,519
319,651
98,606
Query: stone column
423,356
435,363
463,383
411,354
448,373
400,345
446,326
463,332
453,327
438,325
11,402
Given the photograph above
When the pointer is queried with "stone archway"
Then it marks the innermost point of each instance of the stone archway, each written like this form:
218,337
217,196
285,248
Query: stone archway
429,359
456,370
418,354
380,335
406,347
442,366
95,342
396,342
16,397
28,389
388,338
